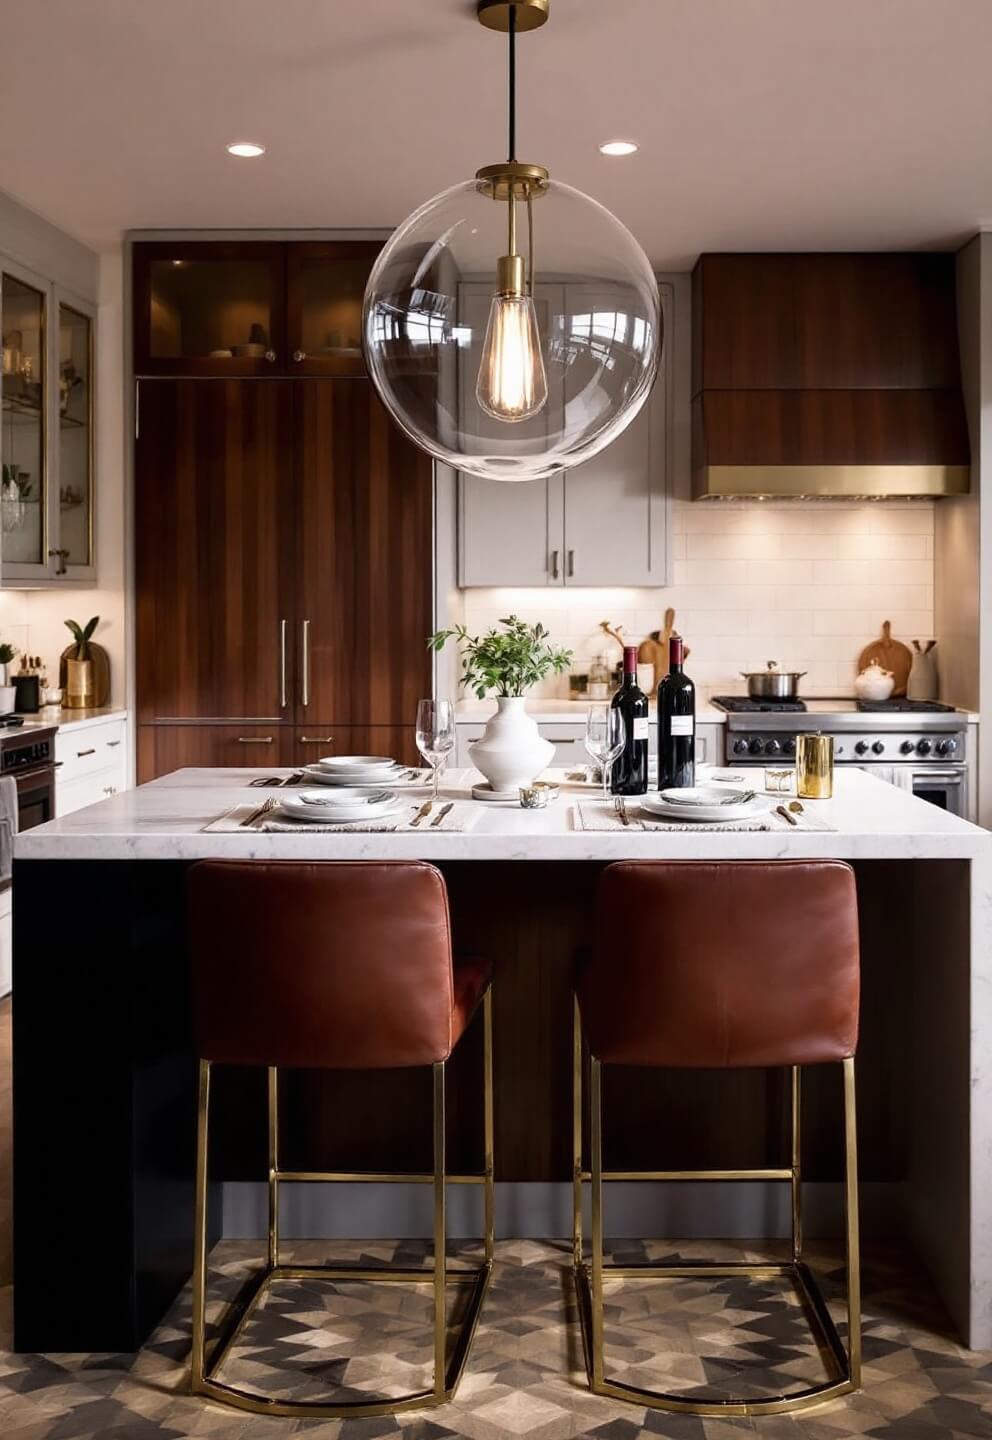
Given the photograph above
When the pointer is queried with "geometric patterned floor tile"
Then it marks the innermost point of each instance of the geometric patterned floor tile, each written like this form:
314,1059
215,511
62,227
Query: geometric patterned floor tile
524,1378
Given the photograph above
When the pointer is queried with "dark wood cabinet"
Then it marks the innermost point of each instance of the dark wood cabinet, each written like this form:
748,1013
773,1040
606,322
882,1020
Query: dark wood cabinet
250,308
214,529
283,573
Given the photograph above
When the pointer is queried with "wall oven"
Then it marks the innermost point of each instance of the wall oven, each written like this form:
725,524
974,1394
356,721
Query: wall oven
29,760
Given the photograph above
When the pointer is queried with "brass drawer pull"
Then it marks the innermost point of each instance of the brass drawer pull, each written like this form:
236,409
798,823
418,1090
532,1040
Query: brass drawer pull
254,739
316,739
81,753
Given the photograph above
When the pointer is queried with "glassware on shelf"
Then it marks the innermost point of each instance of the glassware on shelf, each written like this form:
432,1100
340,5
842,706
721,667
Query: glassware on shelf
22,433
435,735
605,735
75,436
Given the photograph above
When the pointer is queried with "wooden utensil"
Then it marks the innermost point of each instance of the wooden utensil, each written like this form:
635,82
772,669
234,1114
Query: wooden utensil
892,655
654,650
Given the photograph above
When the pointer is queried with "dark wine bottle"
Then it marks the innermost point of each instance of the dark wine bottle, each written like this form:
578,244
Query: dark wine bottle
676,723
629,774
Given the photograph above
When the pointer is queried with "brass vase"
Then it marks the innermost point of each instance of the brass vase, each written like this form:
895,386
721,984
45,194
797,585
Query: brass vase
79,684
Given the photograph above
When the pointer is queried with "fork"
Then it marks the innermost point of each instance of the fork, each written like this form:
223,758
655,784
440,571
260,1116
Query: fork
620,806
263,809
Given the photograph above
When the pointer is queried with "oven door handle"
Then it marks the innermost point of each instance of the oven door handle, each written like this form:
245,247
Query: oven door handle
954,776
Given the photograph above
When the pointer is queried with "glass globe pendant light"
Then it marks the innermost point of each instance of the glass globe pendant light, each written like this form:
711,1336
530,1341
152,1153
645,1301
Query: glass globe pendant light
493,365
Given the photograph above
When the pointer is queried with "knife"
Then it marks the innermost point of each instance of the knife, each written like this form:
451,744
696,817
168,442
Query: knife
422,813
781,810
441,814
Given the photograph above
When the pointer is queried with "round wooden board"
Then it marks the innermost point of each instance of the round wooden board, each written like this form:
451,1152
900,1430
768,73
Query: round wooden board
891,655
101,672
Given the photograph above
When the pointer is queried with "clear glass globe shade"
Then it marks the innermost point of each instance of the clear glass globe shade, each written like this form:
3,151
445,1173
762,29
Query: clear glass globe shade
428,311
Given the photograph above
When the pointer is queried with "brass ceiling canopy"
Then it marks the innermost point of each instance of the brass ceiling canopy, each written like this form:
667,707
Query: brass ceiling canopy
528,14
512,176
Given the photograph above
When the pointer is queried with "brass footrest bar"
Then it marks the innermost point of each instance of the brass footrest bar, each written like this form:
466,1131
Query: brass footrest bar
781,1174
256,1404
298,1177
839,1384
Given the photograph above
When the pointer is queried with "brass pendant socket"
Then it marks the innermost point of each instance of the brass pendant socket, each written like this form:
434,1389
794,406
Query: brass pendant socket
512,177
510,275
495,14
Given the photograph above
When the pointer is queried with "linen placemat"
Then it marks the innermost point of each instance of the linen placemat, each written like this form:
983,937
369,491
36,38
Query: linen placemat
601,815
460,818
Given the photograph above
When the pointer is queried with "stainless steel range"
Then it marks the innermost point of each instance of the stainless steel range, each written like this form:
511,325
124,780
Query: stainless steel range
920,746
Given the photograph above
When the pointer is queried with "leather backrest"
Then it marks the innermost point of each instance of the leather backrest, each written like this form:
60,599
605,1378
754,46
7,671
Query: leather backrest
743,963
333,964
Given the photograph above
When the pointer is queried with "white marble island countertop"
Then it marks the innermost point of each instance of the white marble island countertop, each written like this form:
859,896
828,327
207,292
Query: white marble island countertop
165,820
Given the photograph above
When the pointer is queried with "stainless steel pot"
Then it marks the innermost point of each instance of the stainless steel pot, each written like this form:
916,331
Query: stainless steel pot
773,683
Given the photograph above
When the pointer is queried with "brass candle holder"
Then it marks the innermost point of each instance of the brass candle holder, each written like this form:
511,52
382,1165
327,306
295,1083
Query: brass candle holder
814,767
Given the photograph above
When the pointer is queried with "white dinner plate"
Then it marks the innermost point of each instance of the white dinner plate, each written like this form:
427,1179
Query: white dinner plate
348,764
346,778
339,812
672,804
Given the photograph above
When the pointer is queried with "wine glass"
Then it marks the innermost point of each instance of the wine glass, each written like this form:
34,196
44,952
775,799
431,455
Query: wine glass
435,734
605,736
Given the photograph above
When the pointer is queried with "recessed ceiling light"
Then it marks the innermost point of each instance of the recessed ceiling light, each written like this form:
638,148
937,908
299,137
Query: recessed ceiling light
245,149
618,147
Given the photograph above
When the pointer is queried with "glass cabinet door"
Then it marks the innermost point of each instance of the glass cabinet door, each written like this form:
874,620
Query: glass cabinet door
208,308
75,545
325,289
22,422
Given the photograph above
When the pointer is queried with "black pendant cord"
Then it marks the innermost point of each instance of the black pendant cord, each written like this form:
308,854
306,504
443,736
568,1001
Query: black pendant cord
512,40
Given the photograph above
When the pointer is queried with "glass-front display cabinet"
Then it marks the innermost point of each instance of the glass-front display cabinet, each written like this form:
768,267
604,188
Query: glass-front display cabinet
46,433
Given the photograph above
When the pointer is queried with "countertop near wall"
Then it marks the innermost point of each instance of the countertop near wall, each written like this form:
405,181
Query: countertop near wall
569,712
71,719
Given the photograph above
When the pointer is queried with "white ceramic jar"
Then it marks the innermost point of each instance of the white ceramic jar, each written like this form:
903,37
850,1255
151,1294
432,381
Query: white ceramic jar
874,683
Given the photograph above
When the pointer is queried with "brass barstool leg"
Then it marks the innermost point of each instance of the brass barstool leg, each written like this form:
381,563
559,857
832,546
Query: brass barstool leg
489,1184
273,1167
576,1134
797,1174
853,1229
440,1256
596,1166
200,1230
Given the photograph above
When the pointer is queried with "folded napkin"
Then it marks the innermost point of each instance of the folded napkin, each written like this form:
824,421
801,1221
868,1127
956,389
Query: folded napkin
462,817
601,815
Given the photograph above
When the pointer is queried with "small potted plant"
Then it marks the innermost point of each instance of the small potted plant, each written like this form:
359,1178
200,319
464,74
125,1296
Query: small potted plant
7,692
507,662
79,685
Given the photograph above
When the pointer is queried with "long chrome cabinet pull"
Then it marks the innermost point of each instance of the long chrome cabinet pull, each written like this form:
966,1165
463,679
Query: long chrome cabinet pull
306,662
283,700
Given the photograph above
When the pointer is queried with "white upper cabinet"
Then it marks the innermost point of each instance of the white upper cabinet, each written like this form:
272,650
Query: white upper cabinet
46,433
602,523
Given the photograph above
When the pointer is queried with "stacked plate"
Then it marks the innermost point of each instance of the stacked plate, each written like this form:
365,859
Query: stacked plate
349,770
354,805
706,803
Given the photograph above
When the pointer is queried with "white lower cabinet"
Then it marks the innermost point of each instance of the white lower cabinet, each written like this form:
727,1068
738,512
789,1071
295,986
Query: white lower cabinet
90,764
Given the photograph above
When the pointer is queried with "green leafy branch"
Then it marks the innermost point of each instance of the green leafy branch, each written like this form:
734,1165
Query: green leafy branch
507,662
82,634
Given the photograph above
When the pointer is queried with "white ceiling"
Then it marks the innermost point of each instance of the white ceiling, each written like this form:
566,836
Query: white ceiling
763,124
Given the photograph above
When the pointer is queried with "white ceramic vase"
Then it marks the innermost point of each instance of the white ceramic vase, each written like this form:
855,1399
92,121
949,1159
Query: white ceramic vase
511,752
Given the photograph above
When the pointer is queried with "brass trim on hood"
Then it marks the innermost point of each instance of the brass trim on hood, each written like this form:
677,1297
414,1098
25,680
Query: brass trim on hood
839,481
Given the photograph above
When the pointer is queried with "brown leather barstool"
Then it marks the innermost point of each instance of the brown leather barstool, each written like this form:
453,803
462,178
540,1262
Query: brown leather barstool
335,966
724,965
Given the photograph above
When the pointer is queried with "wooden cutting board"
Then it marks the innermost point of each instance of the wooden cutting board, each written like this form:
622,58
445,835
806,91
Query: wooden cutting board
891,655
654,650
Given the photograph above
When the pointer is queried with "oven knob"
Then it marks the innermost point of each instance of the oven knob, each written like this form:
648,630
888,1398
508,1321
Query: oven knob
878,748
740,747
790,747
907,747
861,748
756,747
946,747
923,747
772,747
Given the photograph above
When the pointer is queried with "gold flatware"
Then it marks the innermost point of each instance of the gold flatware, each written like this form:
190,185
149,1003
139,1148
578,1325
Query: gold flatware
796,805
445,810
620,806
263,809
781,810
422,813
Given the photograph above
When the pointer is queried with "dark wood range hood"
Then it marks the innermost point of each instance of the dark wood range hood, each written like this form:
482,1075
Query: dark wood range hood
827,375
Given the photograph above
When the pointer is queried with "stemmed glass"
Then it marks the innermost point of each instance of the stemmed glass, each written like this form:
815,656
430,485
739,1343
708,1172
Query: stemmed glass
605,735
435,734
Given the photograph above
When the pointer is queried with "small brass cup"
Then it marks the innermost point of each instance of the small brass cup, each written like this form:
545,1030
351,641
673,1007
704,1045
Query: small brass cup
814,767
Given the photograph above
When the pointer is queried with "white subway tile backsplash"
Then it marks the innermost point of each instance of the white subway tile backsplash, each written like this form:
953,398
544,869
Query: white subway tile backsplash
805,583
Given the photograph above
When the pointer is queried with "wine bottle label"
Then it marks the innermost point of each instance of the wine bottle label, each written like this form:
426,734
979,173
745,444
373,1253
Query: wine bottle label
683,724
641,727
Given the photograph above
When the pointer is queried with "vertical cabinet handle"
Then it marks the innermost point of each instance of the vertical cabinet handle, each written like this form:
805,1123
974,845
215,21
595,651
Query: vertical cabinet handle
270,355
283,699
63,556
306,662
299,356
571,564
554,564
